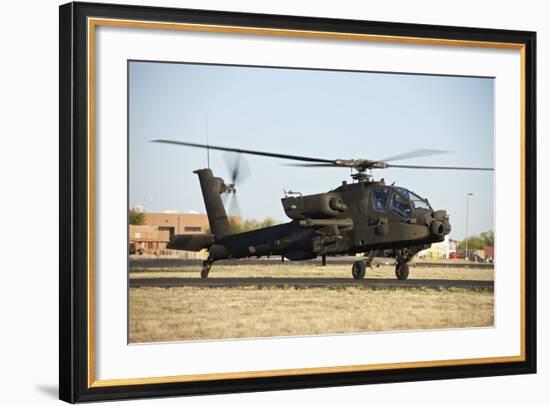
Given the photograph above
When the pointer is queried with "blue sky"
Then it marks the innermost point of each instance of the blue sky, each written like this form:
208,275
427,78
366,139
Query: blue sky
324,114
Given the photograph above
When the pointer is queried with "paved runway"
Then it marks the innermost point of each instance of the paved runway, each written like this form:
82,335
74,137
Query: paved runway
308,282
144,263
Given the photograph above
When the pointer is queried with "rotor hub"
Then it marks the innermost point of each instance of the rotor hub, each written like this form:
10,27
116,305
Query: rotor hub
361,176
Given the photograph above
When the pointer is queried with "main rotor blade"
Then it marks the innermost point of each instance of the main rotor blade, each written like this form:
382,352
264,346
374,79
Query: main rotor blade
320,165
465,168
245,151
417,153
359,164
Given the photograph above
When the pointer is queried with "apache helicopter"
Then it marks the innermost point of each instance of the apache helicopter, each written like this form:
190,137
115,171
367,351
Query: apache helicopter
365,216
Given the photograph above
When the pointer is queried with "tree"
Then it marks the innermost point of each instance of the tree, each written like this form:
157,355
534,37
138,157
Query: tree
474,243
235,226
488,238
268,222
136,218
249,225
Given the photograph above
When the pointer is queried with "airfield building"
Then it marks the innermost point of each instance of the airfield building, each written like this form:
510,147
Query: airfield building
152,237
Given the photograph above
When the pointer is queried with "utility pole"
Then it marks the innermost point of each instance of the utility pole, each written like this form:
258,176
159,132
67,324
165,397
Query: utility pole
467,215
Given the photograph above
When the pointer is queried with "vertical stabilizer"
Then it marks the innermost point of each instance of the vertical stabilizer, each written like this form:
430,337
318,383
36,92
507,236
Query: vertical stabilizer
211,188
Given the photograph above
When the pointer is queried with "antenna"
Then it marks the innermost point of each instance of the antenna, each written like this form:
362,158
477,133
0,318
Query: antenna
207,144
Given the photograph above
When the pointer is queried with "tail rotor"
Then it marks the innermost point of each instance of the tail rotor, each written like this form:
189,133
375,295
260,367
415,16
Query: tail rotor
239,171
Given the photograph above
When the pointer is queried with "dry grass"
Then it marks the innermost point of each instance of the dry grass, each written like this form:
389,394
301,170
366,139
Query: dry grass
192,313
312,271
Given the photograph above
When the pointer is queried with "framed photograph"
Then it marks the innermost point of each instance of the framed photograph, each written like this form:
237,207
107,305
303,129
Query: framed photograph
258,202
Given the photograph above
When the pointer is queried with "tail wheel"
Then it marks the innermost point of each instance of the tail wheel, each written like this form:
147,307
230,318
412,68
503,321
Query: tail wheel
402,271
358,270
206,265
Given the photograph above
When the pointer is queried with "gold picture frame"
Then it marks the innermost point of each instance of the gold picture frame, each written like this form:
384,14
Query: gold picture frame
77,150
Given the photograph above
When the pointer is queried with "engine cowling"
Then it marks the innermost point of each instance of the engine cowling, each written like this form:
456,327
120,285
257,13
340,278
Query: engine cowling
322,205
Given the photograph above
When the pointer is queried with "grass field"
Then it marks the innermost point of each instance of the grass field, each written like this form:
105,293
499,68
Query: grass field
199,313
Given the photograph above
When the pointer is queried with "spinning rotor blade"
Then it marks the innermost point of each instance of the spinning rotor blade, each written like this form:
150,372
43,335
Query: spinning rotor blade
234,207
360,165
246,151
465,168
417,153
231,204
238,168
225,199
321,165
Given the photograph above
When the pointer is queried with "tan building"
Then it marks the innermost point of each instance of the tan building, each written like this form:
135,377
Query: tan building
179,223
152,237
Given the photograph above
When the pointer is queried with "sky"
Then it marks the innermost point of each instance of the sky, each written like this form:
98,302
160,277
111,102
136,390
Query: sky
325,114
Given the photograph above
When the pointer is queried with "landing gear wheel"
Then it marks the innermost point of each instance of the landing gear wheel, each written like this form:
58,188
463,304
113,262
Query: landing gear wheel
206,265
358,269
402,271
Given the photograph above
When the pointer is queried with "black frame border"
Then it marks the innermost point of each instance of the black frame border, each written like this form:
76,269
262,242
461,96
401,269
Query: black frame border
73,202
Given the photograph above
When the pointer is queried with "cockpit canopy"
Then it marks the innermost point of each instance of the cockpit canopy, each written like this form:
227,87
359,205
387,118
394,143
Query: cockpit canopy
417,201
398,200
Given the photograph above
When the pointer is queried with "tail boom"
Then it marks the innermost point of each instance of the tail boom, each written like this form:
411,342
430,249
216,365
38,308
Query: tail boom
212,187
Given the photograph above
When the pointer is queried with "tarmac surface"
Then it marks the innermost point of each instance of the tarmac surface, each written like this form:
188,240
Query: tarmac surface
142,263
308,282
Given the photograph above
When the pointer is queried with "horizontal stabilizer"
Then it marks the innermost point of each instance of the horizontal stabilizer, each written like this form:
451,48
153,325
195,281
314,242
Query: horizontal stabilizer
190,242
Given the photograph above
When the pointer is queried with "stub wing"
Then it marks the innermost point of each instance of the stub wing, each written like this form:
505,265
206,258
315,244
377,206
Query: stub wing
191,242
320,223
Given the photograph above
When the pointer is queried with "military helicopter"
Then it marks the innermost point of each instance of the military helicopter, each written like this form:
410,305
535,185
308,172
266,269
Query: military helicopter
365,216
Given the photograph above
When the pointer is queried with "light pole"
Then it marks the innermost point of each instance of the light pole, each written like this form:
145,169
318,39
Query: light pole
467,214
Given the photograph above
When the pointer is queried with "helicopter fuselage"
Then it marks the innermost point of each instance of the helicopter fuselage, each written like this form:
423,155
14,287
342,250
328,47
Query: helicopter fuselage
351,219
365,216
